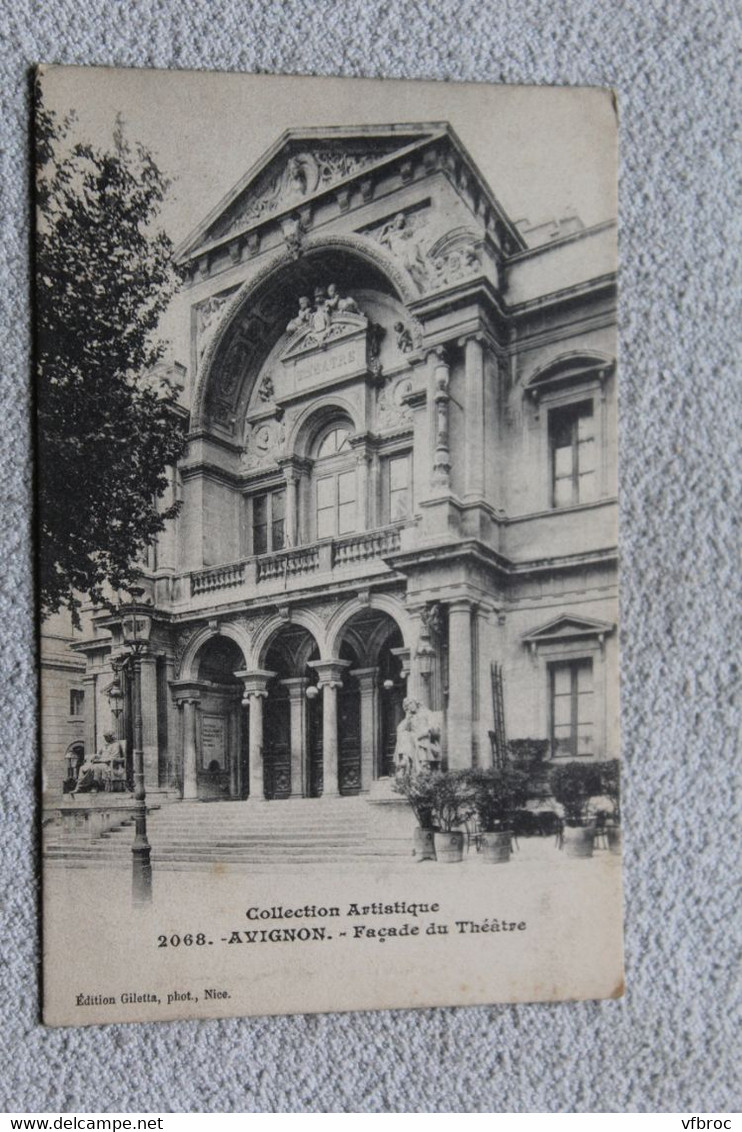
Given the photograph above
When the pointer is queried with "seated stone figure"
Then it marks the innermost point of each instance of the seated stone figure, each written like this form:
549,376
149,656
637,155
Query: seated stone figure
418,739
106,770
303,316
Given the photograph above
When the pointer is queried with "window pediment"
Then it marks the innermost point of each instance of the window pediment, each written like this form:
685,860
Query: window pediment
572,370
566,629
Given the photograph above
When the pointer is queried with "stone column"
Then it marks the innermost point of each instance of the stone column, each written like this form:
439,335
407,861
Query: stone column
90,681
441,455
369,690
474,419
150,745
187,695
489,649
365,514
374,491
297,686
459,692
170,767
190,750
330,674
292,479
256,690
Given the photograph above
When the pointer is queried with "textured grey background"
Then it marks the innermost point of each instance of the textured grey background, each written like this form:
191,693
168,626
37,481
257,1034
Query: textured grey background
670,1044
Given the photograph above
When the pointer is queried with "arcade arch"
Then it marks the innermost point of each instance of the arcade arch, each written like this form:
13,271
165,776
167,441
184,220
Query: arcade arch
215,746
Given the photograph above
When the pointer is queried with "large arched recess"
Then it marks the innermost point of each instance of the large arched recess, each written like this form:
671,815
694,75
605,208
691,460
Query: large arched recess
257,314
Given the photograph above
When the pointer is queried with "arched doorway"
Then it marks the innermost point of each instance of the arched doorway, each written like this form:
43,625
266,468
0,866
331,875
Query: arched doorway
292,727
221,737
370,700
74,757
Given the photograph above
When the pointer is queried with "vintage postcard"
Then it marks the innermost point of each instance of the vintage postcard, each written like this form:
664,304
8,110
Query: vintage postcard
328,544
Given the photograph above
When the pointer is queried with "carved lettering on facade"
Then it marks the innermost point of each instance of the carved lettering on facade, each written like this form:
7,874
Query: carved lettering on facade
335,363
213,742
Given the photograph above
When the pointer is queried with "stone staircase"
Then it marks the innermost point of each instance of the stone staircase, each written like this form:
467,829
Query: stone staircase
301,831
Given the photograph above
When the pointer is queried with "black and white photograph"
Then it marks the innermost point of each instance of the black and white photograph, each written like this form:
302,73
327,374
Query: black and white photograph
328,568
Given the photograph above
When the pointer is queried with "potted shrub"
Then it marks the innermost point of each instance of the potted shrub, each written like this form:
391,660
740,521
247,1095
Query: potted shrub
611,789
573,785
497,793
529,756
417,789
452,805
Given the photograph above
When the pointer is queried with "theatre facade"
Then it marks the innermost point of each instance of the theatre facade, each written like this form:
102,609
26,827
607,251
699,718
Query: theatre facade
399,481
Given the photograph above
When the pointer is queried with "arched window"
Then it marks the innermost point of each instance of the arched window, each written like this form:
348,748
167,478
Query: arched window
334,441
335,483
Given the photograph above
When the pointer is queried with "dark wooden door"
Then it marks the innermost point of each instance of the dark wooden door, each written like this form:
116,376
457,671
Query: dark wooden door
277,745
349,736
314,747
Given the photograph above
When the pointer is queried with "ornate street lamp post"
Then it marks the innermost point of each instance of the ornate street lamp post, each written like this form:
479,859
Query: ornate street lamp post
137,626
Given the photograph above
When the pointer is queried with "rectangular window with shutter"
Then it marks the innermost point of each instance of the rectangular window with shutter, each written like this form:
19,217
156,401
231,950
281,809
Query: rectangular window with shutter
77,703
346,502
268,522
399,488
572,712
396,488
326,507
572,447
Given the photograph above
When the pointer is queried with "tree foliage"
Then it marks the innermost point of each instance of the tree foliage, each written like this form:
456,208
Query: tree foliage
497,793
573,784
107,425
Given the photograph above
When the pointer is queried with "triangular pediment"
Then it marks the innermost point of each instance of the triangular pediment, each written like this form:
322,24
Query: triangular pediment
301,166
568,627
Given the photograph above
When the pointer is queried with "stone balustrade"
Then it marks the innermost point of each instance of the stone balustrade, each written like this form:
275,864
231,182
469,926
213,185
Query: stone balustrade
299,560
288,563
217,578
362,548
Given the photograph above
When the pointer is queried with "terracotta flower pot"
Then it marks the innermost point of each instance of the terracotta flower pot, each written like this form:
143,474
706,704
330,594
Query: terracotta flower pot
496,846
449,847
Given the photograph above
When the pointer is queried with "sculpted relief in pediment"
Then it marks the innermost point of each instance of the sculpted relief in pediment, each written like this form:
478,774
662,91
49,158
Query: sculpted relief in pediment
432,260
297,177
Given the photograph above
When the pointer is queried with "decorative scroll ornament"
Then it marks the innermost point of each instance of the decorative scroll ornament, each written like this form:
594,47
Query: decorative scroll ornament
207,319
391,410
221,412
293,232
461,263
441,458
432,619
403,334
264,443
453,258
181,641
266,389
